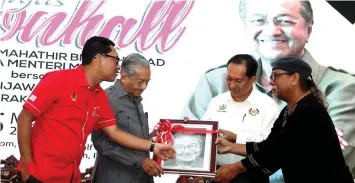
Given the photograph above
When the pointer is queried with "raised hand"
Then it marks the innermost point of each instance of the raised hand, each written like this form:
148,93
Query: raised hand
230,136
223,145
164,151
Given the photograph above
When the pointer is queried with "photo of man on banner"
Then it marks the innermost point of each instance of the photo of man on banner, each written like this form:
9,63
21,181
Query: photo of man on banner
283,28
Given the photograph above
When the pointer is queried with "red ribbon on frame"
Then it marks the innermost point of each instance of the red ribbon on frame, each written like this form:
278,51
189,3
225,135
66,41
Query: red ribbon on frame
164,131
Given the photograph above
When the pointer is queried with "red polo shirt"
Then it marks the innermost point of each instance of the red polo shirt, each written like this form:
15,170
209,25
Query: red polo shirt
67,111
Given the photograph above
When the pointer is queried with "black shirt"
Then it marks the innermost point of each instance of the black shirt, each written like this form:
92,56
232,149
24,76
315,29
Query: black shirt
304,145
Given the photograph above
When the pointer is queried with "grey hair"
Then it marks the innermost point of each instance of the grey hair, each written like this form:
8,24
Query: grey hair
130,61
306,11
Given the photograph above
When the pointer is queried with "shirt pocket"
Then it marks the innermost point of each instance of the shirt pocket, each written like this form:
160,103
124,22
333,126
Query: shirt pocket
64,105
252,124
123,122
69,110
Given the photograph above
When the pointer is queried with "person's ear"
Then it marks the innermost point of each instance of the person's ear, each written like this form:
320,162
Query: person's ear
124,76
309,28
253,79
295,78
98,59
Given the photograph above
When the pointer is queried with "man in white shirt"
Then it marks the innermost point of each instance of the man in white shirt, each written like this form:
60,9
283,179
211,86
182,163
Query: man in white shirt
244,114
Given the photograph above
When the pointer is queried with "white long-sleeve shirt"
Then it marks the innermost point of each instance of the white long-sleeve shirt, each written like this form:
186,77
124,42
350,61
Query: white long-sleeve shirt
251,120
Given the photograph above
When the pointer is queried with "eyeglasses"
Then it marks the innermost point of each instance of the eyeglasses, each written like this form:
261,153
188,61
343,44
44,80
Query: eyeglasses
192,147
117,59
284,21
274,76
140,83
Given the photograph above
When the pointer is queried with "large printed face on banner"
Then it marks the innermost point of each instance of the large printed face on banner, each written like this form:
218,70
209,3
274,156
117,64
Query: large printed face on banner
281,28
277,27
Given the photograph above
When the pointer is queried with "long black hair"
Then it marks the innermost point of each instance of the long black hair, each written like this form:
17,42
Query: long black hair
308,84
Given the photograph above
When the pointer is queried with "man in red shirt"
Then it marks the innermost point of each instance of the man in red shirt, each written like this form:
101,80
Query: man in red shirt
67,105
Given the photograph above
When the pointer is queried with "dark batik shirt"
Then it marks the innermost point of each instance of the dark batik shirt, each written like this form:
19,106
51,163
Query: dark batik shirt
303,144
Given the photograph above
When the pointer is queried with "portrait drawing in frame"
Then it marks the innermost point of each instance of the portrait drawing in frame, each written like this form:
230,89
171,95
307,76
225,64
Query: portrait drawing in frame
195,148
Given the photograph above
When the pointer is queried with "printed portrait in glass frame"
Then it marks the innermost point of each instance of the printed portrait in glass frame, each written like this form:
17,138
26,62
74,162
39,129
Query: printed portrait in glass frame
195,149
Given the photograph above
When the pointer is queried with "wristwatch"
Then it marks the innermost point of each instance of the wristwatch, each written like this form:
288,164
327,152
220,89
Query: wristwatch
152,146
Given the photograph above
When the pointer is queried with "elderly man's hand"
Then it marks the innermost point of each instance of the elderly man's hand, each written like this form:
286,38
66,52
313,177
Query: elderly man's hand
342,142
227,172
230,136
164,151
223,145
152,168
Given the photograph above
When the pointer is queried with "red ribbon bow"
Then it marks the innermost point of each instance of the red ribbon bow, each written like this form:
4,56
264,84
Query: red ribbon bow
164,130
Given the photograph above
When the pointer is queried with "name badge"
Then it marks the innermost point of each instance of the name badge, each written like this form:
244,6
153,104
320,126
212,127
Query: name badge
222,108
253,112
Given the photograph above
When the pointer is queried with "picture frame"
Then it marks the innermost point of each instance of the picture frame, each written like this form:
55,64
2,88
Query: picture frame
195,149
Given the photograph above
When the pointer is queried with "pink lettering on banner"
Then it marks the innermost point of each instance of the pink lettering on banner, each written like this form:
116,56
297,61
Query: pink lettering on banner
161,25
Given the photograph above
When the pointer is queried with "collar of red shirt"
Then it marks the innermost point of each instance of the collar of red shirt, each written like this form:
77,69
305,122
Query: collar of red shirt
82,80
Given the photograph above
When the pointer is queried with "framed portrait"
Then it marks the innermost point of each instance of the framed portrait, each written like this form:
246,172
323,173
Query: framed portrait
195,148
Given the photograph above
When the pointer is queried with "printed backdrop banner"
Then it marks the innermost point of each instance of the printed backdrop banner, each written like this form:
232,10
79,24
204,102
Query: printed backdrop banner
181,39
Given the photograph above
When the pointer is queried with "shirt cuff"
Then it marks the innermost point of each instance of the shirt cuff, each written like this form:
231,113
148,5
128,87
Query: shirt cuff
247,164
105,123
251,164
251,147
32,108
